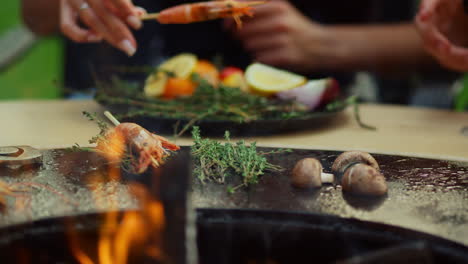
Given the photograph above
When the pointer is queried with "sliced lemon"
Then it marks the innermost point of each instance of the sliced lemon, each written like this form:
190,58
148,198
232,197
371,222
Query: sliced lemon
181,65
267,80
155,84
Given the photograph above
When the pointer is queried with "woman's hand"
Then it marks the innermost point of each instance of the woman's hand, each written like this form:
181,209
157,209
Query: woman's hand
443,26
103,19
279,35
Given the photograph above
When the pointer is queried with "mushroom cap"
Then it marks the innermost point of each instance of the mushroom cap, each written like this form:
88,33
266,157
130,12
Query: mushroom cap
364,179
346,159
307,174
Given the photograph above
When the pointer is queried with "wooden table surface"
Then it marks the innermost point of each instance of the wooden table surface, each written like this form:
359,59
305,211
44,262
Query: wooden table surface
401,130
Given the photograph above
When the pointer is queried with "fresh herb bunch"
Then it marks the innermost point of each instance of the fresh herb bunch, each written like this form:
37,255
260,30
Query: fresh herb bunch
215,161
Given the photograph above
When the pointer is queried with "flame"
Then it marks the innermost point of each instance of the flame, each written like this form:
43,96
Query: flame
113,147
122,235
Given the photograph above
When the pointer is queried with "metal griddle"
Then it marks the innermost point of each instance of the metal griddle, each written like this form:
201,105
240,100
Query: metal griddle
424,195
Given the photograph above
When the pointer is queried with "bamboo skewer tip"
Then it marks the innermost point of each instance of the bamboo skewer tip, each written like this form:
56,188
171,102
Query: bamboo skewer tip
149,16
111,118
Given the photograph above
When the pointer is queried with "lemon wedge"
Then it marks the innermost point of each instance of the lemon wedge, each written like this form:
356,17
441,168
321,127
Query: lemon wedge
155,84
181,65
267,80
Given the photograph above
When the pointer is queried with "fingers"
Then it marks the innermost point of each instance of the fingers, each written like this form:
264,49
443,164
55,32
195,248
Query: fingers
140,11
264,12
434,14
427,8
272,8
70,28
453,57
457,58
434,41
275,57
266,42
262,26
106,24
126,10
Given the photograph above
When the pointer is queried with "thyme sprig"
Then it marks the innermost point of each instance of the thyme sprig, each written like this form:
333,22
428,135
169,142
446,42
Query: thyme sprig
103,127
215,161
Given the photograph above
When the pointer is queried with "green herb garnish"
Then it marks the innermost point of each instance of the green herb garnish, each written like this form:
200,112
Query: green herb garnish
208,103
103,127
461,99
215,161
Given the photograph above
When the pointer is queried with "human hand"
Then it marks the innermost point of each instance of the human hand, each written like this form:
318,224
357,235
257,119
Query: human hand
105,19
279,35
443,26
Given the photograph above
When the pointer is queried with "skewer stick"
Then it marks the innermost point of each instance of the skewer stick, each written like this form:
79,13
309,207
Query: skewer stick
150,16
111,118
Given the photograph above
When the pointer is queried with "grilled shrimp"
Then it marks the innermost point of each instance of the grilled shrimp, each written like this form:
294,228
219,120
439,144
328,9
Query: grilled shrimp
203,11
151,149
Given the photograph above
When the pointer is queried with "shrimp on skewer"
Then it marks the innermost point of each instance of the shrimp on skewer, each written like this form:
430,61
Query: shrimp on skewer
203,11
130,138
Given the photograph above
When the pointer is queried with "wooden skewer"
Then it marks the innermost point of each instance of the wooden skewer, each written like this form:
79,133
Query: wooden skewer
154,161
149,16
111,118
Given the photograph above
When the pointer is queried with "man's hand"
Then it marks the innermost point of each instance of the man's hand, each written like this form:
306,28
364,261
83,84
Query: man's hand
279,35
443,26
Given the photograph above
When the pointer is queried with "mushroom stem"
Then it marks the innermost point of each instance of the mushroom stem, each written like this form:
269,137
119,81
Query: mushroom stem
327,177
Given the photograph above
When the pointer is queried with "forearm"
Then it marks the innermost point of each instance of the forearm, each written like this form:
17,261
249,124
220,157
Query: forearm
383,48
41,16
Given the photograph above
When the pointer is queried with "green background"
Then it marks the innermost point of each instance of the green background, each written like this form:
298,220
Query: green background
39,73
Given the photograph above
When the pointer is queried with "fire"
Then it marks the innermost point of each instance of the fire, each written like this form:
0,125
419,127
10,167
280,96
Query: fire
113,147
123,235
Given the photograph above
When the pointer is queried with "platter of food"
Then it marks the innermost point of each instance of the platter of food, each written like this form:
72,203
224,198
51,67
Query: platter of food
185,90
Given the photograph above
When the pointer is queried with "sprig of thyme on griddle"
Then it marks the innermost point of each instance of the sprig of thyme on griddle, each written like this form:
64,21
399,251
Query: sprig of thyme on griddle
215,161
103,127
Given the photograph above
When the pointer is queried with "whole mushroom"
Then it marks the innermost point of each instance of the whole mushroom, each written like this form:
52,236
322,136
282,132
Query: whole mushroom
360,174
350,158
364,179
308,173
